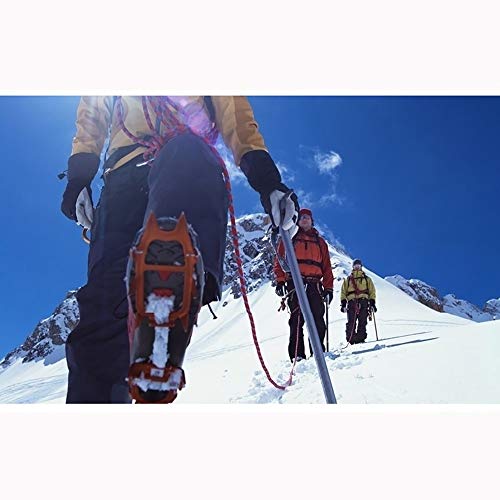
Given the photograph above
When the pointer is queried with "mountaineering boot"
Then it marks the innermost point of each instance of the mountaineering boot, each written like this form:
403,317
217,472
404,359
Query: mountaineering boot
165,281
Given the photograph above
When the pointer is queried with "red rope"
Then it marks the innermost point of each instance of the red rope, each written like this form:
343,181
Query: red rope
146,113
242,280
164,109
126,131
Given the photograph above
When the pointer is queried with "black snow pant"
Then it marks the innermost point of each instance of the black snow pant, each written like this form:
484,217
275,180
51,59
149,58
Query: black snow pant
185,176
296,321
357,317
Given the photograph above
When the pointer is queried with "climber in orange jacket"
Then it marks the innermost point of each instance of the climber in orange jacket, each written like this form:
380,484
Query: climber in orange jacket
315,267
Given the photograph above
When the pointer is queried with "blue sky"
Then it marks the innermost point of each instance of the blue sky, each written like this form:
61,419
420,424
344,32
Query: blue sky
407,184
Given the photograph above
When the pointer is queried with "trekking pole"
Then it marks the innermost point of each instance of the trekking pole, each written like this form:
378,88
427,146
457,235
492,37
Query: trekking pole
327,304
306,310
375,323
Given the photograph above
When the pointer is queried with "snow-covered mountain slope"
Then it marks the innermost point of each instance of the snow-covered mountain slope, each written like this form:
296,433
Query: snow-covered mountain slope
418,290
492,307
422,356
50,333
429,296
465,309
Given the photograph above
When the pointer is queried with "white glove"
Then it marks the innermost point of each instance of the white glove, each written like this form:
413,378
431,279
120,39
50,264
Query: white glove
84,209
291,216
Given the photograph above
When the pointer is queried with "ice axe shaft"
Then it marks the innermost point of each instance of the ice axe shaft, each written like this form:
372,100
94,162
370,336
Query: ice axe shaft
306,310
327,306
375,323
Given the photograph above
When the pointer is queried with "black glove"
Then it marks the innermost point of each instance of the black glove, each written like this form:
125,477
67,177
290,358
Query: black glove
281,289
263,175
372,305
343,305
328,295
82,168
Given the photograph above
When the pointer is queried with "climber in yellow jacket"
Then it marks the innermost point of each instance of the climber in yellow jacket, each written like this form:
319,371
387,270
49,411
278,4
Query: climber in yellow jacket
358,296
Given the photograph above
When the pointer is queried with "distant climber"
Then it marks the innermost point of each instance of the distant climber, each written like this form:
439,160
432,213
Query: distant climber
358,296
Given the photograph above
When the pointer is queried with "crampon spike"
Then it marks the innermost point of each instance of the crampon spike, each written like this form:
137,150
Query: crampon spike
172,376
179,234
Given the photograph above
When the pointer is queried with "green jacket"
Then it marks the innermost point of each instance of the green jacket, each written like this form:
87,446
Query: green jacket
359,280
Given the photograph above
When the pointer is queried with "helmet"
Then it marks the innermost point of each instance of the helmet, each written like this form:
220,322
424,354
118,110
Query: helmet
356,261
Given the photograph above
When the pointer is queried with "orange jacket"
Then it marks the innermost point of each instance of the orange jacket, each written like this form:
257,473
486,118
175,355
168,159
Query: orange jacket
312,255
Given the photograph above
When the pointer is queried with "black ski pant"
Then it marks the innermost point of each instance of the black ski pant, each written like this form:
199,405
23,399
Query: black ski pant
357,317
185,176
296,321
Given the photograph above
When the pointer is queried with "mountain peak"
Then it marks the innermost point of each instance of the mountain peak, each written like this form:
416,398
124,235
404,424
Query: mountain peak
492,307
48,334
418,290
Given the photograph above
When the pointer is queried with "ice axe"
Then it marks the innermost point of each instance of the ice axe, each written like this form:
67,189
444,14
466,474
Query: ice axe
372,315
375,324
305,308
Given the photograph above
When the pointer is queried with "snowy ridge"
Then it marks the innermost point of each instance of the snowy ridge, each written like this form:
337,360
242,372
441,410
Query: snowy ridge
492,307
429,296
422,355
418,290
465,309
49,335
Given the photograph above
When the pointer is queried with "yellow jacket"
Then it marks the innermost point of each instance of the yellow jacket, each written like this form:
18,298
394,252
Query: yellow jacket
97,117
364,284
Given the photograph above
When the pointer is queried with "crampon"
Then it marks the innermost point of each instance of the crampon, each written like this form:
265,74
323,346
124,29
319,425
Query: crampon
165,281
